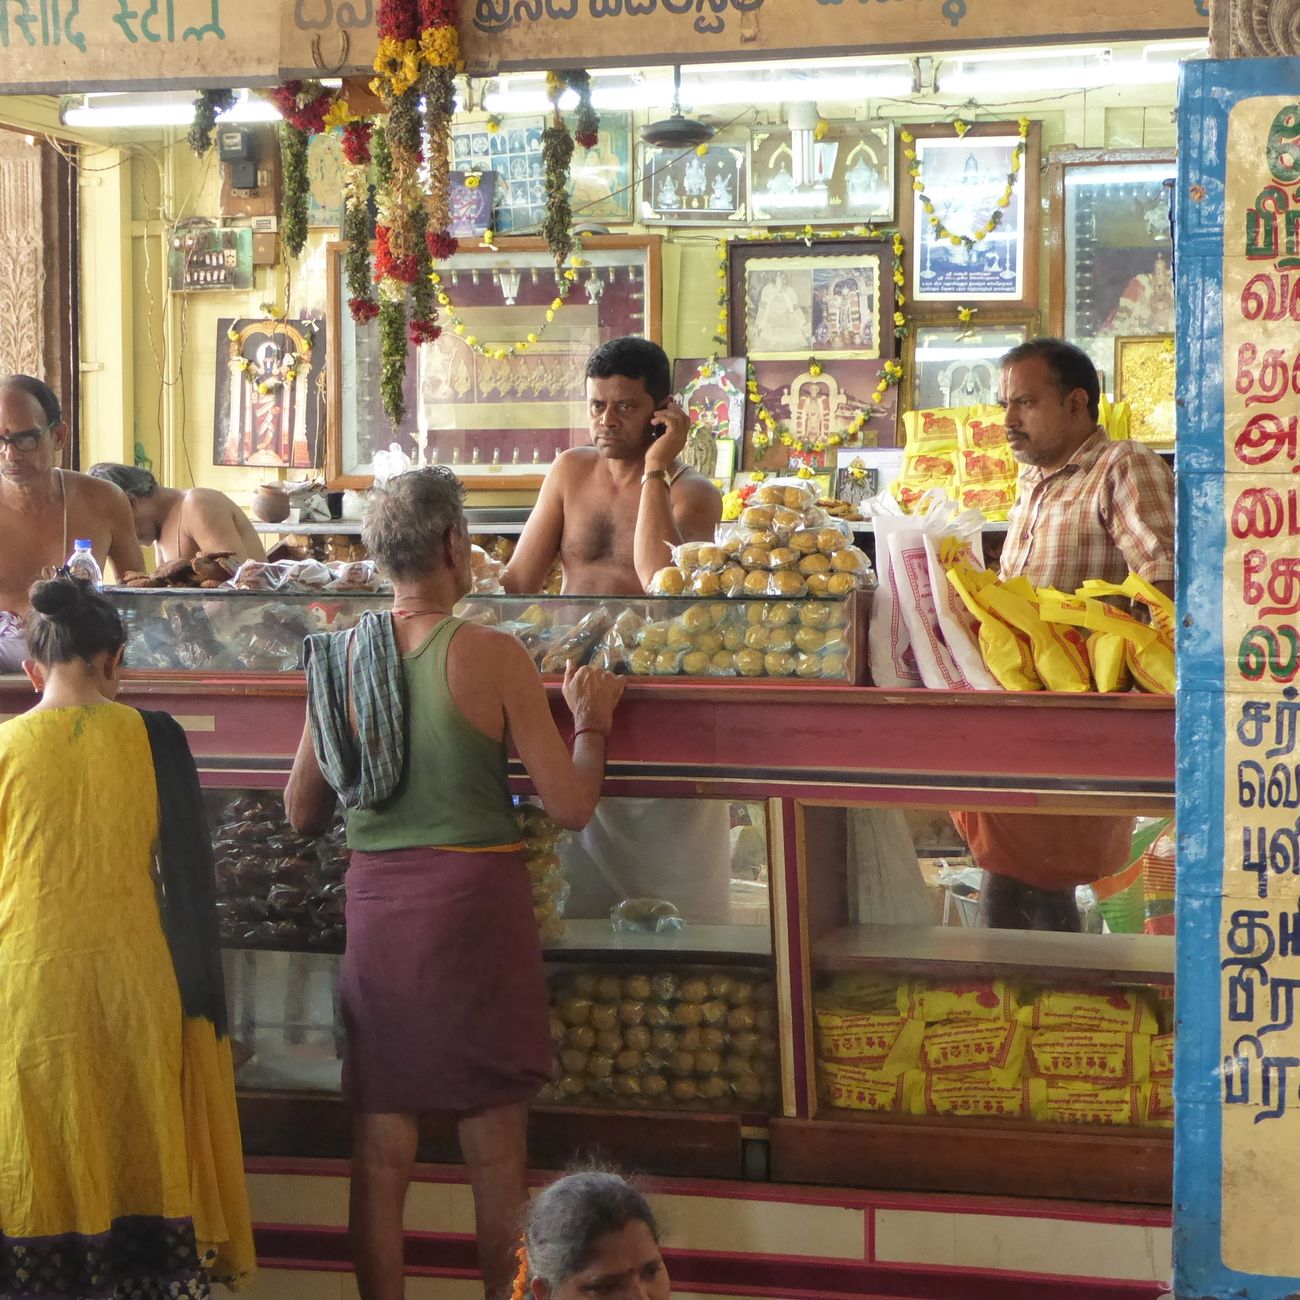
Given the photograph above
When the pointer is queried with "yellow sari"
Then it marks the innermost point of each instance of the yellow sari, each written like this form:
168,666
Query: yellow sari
121,1170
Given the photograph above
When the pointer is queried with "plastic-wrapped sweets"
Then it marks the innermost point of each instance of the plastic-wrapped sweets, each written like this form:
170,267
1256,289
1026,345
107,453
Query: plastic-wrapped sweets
550,889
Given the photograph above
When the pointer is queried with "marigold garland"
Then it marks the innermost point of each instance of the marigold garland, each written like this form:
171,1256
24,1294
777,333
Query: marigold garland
564,282
991,223
417,59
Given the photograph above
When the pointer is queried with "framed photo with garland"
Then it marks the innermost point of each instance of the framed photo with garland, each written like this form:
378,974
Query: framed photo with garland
820,297
972,223
949,363
499,394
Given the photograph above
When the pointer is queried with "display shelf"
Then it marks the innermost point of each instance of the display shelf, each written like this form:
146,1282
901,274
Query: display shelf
710,945
958,951
321,528
985,1157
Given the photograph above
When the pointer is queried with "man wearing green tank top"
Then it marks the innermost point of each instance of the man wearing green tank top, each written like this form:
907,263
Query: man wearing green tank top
612,513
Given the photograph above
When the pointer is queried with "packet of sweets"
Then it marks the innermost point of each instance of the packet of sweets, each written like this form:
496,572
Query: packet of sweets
958,1094
1067,1101
932,431
1007,654
854,1087
880,1040
1097,1056
1060,652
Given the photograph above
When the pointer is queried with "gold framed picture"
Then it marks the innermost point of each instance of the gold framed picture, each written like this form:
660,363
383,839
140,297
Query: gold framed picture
1144,378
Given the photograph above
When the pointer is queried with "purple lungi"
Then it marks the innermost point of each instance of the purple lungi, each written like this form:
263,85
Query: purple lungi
443,992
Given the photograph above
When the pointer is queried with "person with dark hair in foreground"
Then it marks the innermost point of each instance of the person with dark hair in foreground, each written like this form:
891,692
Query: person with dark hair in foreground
1087,507
44,509
121,1170
443,994
181,524
591,1234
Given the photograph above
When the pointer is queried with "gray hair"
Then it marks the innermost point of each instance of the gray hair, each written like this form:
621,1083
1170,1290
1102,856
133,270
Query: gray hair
567,1218
133,480
408,517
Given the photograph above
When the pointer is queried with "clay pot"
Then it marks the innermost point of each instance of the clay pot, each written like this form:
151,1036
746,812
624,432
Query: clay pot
271,504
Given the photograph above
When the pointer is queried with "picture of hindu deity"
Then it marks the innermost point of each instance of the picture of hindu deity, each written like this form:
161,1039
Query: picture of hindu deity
848,175
682,189
844,313
795,306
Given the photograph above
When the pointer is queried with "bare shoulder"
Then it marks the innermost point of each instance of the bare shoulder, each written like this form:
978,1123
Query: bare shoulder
97,492
698,490
210,502
491,647
575,464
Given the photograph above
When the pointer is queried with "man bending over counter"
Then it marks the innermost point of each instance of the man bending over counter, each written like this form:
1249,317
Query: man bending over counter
44,509
611,512
181,524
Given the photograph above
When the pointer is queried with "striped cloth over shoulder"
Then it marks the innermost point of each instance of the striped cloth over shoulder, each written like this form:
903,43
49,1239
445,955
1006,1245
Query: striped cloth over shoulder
361,665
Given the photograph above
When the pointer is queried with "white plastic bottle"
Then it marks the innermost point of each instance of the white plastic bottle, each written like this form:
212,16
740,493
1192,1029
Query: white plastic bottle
82,564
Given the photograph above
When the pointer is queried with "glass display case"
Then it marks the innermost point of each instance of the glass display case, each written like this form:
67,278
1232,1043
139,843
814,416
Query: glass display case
657,1002
247,632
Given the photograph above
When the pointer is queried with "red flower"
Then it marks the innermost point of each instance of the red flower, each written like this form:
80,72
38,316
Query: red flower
423,331
356,142
438,13
363,309
441,244
399,19
587,139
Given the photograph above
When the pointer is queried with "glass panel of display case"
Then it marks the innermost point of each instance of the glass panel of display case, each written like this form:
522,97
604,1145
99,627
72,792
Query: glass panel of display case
799,638
943,988
1118,265
655,923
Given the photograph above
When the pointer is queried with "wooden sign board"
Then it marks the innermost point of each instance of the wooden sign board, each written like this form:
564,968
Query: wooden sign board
55,46
499,35
59,46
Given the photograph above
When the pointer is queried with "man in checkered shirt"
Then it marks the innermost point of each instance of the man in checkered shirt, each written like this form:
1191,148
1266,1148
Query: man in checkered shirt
1087,508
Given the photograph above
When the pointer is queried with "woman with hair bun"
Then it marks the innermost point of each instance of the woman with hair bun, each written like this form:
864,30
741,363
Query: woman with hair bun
591,1234
121,1172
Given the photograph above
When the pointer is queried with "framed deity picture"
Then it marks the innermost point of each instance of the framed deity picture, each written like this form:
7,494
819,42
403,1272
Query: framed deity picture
600,177
514,152
712,392
1144,378
325,180
856,482
964,244
848,175
796,300
508,416
958,365
810,409
473,196
1110,251
270,394
685,188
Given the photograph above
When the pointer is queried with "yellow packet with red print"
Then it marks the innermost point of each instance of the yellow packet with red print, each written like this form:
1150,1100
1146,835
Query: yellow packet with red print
879,1040
1118,1010
992,500
1160,1103
965,1094
1097,1056
983,428
1109,632
932,431
984,1047
977,1000
1007,654
1162,1056
1067,1101
853,1087
1060,651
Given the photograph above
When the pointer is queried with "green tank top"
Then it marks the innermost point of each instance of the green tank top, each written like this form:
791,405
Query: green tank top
452,792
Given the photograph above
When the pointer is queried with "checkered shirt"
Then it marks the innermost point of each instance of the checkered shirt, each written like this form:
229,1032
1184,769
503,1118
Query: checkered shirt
1107,512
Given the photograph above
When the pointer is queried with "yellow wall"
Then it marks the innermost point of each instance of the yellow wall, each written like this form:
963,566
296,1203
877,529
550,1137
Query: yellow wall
152,357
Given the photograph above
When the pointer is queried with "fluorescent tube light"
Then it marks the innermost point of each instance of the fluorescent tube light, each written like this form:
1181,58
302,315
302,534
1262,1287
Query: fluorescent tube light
126,110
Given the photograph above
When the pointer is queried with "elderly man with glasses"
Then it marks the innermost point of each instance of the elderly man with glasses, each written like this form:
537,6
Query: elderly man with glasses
44,509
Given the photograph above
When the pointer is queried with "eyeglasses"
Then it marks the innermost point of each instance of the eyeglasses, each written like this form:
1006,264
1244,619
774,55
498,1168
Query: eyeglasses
25,439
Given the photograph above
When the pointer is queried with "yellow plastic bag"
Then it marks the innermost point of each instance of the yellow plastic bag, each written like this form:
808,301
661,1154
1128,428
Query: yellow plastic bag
1111,632
1067,1101
973,1000
1113,417
932,431
958,1094
1151,661
1060,652
1118,1010
1007,654
1096,1056
976,1046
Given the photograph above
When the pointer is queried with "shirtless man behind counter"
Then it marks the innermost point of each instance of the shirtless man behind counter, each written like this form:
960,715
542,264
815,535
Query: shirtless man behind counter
45,509
181,524
613,510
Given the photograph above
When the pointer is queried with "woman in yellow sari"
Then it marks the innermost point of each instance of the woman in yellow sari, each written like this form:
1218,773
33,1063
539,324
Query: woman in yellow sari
121,1173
